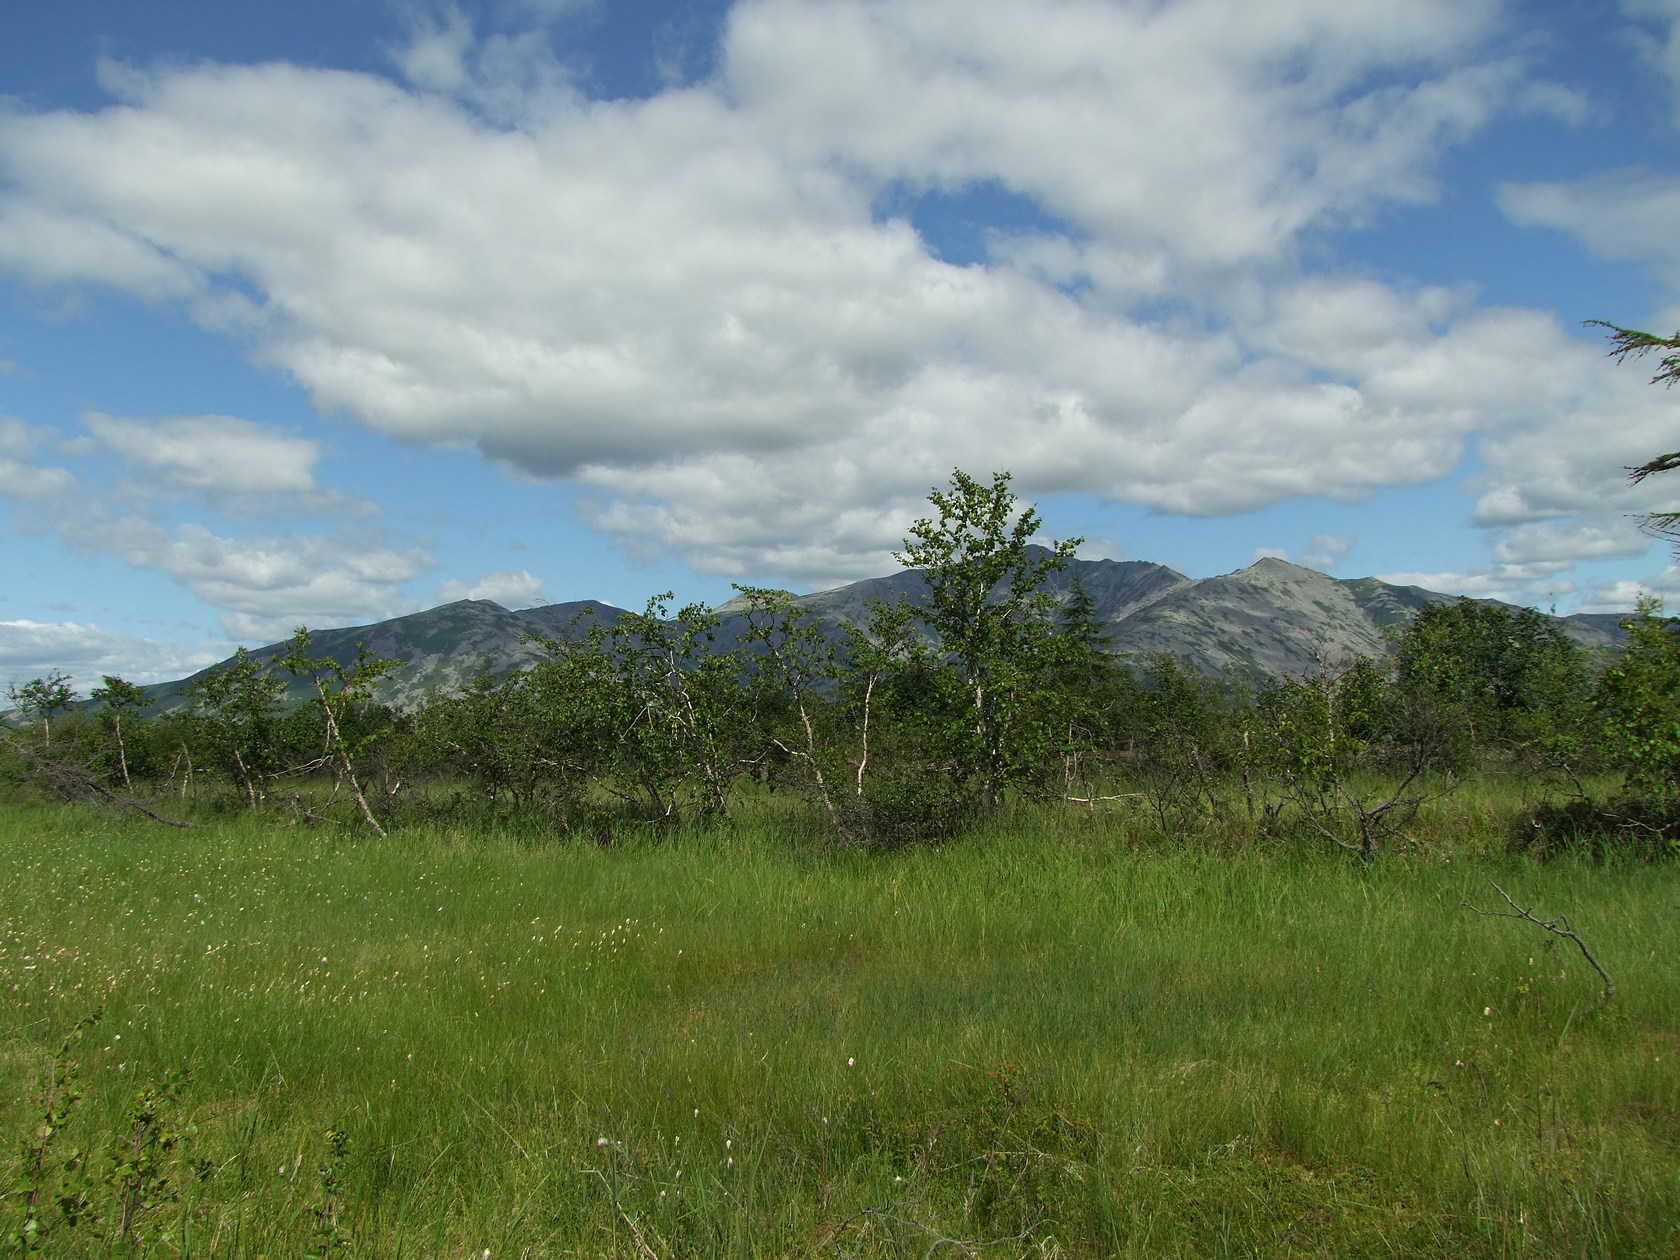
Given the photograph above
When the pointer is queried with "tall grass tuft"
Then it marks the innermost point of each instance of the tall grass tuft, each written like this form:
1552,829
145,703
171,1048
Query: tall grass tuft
1048,1039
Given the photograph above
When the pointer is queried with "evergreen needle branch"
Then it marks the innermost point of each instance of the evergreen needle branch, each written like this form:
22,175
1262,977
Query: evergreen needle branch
1557,926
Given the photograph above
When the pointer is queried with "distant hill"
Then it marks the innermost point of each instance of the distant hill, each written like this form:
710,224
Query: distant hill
1280,618
444,648
1272,617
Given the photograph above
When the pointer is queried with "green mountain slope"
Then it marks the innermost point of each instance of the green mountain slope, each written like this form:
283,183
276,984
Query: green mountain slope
1272,617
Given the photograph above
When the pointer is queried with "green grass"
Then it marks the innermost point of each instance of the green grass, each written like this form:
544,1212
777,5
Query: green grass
738,1043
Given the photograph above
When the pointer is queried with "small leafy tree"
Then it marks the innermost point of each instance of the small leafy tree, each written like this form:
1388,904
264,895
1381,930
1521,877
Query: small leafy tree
340,690
655,711
236,705
1180,735
47,1171
1638,700
884,649
139,1165
493,733
1323,736
1092,690
122,700
790,661
43,697
994,620
1478,675
893,698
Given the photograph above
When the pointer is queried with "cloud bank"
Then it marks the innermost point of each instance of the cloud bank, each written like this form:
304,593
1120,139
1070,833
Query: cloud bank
701,305
337,571
32,649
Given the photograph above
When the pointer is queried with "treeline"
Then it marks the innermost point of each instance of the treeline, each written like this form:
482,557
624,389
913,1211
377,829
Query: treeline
913,723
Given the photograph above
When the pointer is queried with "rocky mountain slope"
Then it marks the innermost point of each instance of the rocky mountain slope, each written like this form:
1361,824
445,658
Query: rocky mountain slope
1272,617
443,648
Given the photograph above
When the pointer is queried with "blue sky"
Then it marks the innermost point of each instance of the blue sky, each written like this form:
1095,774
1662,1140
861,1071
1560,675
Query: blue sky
324,313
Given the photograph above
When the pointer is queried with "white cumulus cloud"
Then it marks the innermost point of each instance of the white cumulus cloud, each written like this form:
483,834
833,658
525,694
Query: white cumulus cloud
236,465
32,649
264,584
1655,28
514,588
1621,214
694,304
1326,551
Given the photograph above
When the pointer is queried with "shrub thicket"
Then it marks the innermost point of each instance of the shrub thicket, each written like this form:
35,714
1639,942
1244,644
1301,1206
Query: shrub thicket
919,720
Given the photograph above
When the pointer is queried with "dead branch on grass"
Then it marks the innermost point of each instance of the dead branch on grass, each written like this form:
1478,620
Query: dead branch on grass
73,783
1557,926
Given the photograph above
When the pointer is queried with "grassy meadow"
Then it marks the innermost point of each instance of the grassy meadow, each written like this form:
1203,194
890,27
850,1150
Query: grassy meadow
1060,1036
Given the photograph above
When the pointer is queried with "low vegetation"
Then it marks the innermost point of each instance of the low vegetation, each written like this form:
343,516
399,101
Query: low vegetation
1067,1035
919,722
943,934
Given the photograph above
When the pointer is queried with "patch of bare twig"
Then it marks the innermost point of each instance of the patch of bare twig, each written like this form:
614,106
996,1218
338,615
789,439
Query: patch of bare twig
894,1214
74,783
1557,926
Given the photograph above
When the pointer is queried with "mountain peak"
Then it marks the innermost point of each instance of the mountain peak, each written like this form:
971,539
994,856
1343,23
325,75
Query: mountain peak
1271,617
1276,566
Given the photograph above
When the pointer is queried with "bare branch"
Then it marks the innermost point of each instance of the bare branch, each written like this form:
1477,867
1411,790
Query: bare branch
1558,926
973,1246
77,783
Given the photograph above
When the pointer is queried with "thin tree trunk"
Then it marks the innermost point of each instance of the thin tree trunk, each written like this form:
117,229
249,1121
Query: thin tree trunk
863,761
245,777
122,755
1248,779
337,743
186,778
809,754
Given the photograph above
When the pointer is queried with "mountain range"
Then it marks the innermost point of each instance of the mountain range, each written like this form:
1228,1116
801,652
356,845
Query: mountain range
1272,617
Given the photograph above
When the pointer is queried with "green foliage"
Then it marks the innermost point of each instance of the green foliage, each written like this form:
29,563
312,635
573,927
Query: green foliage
1598,828
646,713
45,1187
1182,744
343,693
922,720
340,689
1328,741
509,737
122,702
56,1196
1473,675
1096,693
1080,625
1306,735
789,663
1638,703
657,716
119,696
330,1239
139,1165
999,719
1084,1034
1318,727
41,698
237,708
892,689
